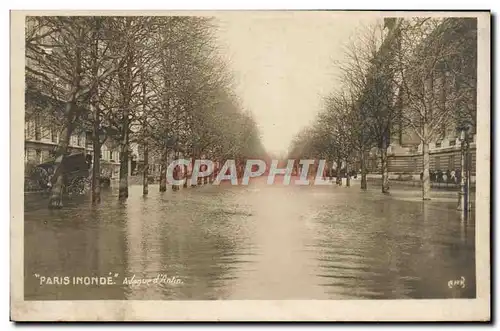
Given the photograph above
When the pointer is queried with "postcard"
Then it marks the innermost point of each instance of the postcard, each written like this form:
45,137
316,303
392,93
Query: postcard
250,166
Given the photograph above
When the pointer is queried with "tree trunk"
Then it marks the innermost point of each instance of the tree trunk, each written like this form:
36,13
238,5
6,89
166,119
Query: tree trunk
176,177
145,171
426,181
384,167
96,143
124,147
190,177
338,178
347,175
211,178
56,194
176,174
58,179
185,176
123,186
71,114
96,165
364,185
163,172
163,177
200,179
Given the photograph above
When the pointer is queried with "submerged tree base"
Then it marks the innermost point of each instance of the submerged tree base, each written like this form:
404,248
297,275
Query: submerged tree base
56,204
123,194
96,198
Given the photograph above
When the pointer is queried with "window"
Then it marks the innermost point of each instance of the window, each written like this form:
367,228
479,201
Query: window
45,131
31,155
438,144
88,138
38,132
53,134
38,157
453,142
45,155
27,130
451,132
438,163
442,131
79,140
451,162
111,155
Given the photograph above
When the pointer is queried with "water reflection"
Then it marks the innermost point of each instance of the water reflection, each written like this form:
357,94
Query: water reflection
255,242
79,241
394,250
194,240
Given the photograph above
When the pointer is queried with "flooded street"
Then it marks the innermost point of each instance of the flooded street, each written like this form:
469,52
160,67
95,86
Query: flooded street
252,242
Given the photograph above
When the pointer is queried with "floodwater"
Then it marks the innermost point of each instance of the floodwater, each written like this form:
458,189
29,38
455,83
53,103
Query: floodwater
250,242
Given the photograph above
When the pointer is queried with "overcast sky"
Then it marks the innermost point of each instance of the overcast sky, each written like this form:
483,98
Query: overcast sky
283,62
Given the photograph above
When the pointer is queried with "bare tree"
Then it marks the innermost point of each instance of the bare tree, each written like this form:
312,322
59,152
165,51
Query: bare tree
369,78
428,82
56,49
156,81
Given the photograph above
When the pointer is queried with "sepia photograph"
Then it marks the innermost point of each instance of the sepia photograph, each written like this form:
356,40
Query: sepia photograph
250,165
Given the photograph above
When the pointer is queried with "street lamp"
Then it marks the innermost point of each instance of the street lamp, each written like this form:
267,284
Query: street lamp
463,194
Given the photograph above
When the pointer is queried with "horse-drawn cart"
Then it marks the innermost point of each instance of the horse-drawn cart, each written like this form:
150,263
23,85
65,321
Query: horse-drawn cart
75,172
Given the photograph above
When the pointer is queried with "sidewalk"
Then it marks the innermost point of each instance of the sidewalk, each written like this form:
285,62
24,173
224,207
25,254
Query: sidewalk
414,182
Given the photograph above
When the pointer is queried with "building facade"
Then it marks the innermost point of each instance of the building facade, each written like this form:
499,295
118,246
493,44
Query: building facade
405,151
41,141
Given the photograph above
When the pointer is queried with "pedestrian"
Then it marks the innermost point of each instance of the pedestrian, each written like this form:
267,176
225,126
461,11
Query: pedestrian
439,176
448,176
453,178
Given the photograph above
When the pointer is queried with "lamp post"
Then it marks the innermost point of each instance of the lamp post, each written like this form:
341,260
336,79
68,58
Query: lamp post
468,167
463,198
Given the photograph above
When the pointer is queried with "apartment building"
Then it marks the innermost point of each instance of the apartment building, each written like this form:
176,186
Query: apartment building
405,150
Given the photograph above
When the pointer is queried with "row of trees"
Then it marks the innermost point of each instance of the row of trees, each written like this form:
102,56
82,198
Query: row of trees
156,81
414,75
